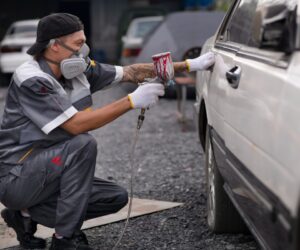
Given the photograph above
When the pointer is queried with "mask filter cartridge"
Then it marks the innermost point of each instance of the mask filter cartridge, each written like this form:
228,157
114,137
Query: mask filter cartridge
76,64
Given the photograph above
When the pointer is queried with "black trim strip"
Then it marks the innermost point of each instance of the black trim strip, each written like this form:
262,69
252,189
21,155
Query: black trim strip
248,222
226,47
260,197
277,204
228,17
219,146
238,51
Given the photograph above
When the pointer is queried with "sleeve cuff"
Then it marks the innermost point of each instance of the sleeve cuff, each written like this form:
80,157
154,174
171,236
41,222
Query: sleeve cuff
119,74
131,102
188,66
59,120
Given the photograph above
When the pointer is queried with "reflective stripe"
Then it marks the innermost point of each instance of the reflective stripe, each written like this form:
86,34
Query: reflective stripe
25,155
93,64
59,120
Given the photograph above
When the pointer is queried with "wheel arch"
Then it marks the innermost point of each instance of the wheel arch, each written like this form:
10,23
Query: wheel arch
202,124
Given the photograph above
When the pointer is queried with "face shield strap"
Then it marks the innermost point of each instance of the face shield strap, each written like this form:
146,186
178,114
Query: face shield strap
66,46
51,61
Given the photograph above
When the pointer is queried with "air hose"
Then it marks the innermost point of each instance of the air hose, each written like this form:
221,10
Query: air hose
164,70
132,172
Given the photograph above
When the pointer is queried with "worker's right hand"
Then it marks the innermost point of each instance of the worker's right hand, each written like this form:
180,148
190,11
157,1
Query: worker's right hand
146,95
202,62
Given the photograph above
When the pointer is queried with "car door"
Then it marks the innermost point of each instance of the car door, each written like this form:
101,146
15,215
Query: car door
253,84
218,87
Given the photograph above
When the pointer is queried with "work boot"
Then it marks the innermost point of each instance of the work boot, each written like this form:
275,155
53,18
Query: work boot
80,238
24,227
68,244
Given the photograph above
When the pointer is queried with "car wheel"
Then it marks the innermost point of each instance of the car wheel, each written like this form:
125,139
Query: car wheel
192,53
222,216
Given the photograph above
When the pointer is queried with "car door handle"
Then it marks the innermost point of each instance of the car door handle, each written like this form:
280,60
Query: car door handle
233,76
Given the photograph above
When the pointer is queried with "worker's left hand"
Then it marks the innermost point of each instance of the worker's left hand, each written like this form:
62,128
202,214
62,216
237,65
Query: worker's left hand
202,62
146,95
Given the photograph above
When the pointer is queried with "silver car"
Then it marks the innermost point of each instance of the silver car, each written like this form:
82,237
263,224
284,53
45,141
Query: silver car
18,38
138,30
248,117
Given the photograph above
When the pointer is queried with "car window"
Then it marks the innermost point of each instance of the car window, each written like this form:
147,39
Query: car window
272,18
259,23
143,28
238,29
22,30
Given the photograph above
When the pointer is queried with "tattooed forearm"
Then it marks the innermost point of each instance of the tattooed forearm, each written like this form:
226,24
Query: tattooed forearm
180,67
137,73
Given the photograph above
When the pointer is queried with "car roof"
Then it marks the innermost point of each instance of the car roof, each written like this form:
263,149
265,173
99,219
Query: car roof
148,18
136,21
26,22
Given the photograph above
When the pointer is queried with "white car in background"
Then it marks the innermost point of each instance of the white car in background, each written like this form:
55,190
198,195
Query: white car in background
18,38
138,29
248,110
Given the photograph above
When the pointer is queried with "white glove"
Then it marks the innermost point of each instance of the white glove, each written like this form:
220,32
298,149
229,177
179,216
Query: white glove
201,63
146,95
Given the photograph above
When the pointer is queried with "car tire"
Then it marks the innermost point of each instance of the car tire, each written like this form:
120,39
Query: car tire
222,216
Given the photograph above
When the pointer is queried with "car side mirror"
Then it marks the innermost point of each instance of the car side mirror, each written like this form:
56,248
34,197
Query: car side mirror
279,29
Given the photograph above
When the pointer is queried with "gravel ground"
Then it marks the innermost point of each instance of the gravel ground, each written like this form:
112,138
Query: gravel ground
169,166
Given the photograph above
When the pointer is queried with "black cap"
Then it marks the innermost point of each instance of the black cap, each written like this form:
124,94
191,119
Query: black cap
54,26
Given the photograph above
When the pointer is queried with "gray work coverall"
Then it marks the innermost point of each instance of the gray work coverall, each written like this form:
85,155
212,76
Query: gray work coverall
42,167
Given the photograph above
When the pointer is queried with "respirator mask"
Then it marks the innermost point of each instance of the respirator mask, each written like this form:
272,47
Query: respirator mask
77,64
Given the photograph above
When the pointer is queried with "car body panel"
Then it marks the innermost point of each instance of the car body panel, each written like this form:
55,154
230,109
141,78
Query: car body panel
256,131
263,212
256,135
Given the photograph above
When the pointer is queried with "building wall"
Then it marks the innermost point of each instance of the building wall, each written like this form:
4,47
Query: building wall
14,10
102,18
107,18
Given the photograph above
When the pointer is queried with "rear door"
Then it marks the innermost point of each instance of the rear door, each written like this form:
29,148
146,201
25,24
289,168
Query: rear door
252,83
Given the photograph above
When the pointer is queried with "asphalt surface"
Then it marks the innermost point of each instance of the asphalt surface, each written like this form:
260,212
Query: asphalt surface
169,166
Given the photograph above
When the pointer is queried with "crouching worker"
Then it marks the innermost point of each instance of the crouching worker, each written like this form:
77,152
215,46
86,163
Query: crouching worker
47,157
